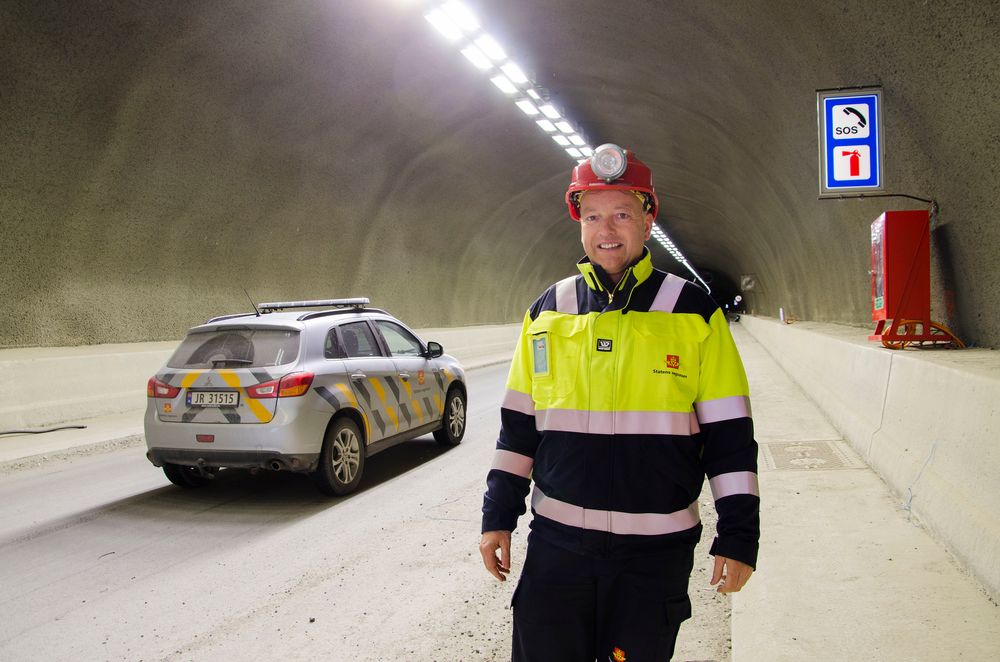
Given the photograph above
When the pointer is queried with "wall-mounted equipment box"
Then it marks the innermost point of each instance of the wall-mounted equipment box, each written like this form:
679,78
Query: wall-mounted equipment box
901,266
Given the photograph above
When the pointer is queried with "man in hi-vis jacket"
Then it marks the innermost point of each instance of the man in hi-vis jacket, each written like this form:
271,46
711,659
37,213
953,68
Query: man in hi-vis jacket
625,391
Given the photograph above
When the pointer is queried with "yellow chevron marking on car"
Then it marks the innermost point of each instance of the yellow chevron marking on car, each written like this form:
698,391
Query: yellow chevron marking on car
349,394
409,389
256,408
417,410
378,388
447,374
392,416
343,388
440,405
190,378
389,411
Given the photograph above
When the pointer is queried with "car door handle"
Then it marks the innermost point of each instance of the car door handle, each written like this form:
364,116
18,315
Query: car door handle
358,376
405,376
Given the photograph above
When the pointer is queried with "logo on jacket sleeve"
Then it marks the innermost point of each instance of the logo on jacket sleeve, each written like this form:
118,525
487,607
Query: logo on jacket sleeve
672,361
617,655
603,345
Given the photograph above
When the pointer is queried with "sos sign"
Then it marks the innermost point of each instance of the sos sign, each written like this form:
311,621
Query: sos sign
850,141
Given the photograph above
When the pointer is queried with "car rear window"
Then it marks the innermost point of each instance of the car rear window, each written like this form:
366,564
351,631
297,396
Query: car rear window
236,348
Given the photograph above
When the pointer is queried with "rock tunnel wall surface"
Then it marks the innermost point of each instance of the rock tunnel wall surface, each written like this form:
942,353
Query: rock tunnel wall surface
158,158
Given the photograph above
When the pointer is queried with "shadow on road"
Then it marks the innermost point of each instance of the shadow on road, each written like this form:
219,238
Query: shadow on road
235,498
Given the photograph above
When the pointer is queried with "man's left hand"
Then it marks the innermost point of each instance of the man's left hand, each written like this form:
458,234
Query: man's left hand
730,574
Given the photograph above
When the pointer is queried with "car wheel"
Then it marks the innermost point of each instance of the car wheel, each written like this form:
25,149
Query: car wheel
183,475
343,459
453,423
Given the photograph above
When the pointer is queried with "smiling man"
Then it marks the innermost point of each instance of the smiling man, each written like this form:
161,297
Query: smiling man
625,391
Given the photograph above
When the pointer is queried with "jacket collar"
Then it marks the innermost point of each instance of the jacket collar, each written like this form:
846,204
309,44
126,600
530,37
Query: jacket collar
597,278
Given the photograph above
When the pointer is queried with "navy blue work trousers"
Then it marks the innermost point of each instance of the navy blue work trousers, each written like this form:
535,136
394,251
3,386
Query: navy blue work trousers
574,608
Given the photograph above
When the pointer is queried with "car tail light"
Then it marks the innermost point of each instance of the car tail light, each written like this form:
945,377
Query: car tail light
295,384
265,390
157,389
290,386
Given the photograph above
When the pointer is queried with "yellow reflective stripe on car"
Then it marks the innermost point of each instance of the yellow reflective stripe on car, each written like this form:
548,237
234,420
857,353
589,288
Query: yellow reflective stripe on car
417,410
349,394
438,403
380,392
408,388
190,378
255,407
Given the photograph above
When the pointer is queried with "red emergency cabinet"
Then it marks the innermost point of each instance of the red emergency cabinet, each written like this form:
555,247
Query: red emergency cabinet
901,281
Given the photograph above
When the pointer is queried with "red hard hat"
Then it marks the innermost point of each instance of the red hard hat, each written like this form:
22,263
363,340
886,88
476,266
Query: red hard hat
611,168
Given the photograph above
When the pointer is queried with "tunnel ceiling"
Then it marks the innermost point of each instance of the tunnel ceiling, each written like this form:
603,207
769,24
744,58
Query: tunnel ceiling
161,157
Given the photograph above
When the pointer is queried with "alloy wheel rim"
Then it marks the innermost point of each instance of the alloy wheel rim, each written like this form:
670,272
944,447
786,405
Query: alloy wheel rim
456,417
346,456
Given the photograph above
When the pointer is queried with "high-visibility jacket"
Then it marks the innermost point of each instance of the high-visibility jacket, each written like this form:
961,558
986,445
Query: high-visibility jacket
618,404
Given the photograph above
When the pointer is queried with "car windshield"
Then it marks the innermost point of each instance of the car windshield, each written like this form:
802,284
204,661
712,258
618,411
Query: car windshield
236,348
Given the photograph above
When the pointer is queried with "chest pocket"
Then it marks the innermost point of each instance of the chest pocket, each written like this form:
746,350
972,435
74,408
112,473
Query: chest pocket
558,344
665,362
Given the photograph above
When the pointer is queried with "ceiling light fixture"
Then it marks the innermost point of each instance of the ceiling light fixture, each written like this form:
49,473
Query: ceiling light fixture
458,24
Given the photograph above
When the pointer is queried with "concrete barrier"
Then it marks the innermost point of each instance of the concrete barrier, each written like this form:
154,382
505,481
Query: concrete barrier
44,386
927,421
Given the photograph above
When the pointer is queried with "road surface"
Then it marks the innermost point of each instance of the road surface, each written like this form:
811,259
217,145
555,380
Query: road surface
102,559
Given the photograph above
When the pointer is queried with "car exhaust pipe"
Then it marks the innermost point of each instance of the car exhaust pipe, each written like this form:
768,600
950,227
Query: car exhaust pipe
275,465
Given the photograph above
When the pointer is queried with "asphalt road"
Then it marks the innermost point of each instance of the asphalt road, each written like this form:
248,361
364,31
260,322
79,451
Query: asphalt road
102,559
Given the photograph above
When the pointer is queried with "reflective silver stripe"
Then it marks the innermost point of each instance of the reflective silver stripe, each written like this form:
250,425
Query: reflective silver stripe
517,401
513,463
642,524
737,482
617,422
723,409
566,296
670,291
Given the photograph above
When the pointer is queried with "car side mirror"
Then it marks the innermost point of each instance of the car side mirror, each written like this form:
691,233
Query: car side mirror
434,350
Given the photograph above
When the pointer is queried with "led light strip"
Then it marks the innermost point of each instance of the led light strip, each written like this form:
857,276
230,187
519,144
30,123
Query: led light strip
459,25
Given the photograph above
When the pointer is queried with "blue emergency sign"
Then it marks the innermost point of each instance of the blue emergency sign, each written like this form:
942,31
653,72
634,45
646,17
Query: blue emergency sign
850,141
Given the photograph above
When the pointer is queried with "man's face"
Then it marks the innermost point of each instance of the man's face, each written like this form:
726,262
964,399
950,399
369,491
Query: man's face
613,229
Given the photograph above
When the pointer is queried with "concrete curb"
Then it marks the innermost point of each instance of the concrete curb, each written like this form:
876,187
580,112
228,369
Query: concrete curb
925,420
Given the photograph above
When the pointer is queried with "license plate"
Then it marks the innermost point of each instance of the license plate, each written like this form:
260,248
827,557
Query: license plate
213,398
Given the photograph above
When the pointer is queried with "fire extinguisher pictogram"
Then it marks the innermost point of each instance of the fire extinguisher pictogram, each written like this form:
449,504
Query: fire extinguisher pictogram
855,162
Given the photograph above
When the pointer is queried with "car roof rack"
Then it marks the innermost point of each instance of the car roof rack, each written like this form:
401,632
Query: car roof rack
357,303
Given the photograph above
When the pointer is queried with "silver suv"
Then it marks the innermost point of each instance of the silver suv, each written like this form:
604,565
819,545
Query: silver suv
313,391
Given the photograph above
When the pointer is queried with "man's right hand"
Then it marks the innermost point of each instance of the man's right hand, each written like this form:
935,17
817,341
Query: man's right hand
488,546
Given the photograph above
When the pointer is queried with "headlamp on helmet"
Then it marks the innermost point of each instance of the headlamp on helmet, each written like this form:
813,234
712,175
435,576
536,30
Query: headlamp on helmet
609,162
611,168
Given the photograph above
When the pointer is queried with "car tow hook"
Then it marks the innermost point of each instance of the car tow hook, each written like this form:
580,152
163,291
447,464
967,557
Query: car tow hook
200,467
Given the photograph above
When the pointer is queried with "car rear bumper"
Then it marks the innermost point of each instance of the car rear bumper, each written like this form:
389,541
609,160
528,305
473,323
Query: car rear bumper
292,441
211,458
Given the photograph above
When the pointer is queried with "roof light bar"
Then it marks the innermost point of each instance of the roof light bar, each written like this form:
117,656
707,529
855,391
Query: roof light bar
358,302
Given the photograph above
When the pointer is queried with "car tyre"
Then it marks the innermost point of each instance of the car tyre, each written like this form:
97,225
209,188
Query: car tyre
342,461
184,476
453,422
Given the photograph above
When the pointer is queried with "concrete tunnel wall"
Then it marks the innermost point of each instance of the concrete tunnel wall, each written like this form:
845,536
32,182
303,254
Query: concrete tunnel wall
160,157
